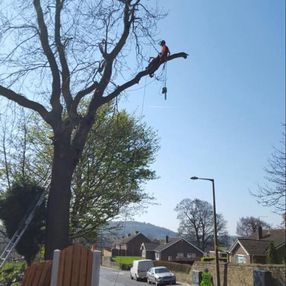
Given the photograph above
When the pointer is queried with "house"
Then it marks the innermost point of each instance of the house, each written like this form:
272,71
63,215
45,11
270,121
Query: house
175,249
253,249
148,249
129,245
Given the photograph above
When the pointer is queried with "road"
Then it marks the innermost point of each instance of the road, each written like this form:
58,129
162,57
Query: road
113,277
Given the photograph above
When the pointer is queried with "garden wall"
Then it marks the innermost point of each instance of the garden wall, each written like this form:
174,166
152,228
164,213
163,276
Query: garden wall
237,275
230,274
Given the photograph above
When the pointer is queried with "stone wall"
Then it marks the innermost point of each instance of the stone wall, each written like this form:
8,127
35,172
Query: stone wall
230,274
106,261
237,275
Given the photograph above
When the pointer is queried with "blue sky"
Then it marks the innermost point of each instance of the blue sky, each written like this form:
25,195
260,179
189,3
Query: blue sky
225,106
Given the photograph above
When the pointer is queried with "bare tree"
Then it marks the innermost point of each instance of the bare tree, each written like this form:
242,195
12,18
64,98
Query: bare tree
196,222
273,193
54,54
247,226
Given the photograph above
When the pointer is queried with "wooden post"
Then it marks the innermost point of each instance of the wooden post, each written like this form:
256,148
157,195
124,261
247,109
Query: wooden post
96,261
55,267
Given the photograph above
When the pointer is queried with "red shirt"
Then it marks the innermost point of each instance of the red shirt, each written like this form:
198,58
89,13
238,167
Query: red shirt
164,51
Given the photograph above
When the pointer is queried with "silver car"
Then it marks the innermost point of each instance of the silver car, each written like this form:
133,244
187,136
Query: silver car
160,275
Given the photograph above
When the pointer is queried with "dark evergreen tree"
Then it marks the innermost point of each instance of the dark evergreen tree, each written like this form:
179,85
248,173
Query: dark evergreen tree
15,204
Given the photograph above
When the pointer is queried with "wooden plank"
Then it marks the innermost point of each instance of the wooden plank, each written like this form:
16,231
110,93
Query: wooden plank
61,269
46,274
89,269
68,253
76,264
36,276
28,276
83,267
32,273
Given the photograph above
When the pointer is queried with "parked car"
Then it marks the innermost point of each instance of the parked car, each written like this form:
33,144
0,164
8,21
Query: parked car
160,275
139,269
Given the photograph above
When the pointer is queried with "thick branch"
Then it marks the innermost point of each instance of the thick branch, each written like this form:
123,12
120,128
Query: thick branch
127,20
23,101
138,77
44,38
61,51
82,94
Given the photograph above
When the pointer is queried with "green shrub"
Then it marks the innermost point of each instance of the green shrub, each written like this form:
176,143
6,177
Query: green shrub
125,266
12,273
207,258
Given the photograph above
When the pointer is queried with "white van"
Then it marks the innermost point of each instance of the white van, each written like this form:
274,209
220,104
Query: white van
139,269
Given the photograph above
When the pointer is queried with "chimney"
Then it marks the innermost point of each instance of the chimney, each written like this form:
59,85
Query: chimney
259,232
167,239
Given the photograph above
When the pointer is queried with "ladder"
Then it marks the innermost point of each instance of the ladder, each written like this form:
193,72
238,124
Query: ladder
21,229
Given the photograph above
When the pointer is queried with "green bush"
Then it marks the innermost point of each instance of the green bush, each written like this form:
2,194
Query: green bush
207,258
125,266
12,273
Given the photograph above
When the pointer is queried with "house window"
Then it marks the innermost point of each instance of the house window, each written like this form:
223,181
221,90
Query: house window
240,259
191,255
180,255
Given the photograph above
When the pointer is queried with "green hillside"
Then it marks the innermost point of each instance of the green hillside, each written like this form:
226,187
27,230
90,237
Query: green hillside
148,229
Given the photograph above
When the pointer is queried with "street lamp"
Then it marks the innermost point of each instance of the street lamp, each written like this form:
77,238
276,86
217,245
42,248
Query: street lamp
215,228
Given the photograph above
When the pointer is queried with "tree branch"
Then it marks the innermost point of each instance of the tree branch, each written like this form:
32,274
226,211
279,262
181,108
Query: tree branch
138,77
44,39
23,101
61,51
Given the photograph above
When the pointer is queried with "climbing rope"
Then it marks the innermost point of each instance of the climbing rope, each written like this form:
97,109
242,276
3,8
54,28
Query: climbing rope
164,88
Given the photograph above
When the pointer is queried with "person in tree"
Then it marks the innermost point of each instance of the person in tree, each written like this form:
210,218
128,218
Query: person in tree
156,61
207,279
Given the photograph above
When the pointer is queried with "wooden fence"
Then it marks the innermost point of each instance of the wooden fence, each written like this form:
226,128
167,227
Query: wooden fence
73,266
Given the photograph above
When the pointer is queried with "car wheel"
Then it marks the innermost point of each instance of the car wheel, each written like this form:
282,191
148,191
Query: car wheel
137,278
131,277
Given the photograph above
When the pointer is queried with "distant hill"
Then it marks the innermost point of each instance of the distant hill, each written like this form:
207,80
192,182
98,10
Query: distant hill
148,229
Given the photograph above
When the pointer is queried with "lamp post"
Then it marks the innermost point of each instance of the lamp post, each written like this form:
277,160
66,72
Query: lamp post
215,228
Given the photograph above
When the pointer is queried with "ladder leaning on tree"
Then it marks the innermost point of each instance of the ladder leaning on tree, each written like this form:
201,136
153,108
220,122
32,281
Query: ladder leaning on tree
25,222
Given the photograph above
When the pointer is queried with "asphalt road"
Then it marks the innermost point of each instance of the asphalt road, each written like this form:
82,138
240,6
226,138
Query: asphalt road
113,277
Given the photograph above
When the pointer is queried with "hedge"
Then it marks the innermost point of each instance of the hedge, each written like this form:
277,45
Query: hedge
173,266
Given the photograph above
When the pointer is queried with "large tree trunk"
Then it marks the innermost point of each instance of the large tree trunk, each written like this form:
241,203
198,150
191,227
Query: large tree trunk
59,197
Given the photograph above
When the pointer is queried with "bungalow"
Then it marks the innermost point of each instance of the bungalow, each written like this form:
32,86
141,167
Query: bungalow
175,249
129,245
253,249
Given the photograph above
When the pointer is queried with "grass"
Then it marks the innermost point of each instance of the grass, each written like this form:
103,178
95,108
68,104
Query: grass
125,259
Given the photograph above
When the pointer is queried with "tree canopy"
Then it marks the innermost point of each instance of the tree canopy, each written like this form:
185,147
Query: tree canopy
196,222
247,226
110,176
112,171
